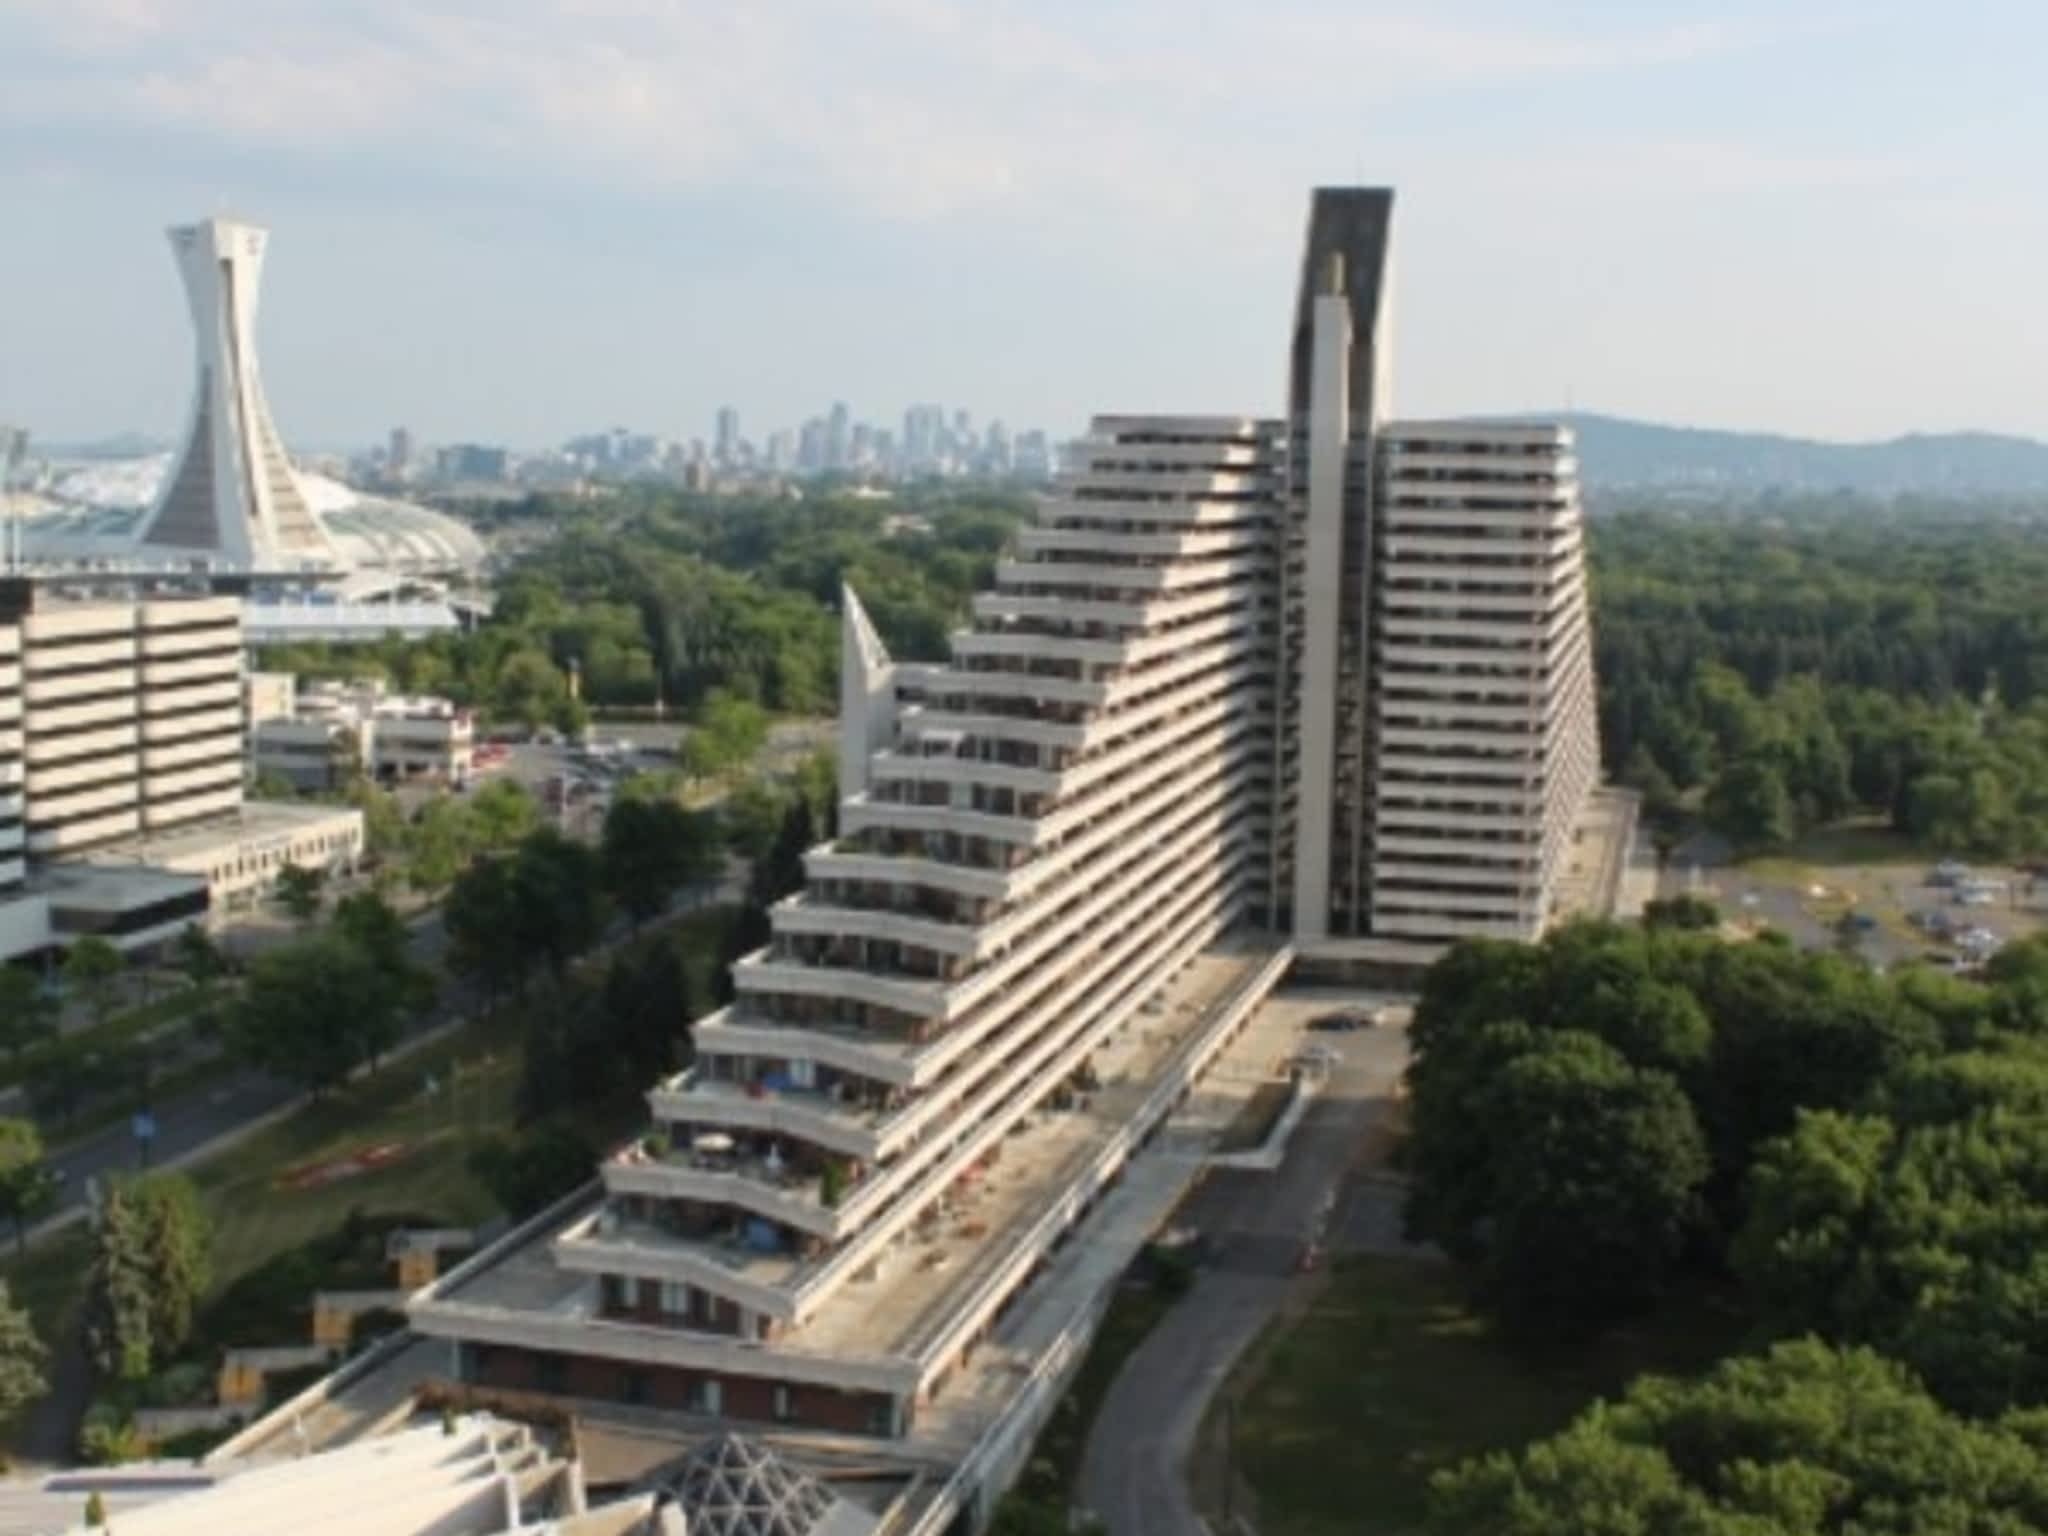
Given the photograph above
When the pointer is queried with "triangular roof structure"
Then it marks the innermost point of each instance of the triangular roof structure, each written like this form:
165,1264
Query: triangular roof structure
733,1486
867,693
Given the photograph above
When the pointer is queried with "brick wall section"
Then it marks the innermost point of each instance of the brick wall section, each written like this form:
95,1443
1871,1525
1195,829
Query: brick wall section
752,1398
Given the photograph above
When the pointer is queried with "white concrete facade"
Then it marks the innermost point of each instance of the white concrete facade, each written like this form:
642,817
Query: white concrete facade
131,719
240,855
985,913
1485,736
1326,677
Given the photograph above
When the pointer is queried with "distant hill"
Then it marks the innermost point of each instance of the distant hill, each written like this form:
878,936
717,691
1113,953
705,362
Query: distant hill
1616,453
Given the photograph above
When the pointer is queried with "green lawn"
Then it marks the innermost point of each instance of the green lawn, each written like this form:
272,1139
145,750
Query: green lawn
1865,840
1391,1376
256,1215
258,1212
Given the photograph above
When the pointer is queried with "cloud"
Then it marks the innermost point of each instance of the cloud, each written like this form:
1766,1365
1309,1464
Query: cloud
905,109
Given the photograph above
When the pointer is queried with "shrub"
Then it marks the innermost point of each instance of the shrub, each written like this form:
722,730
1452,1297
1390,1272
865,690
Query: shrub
109,1436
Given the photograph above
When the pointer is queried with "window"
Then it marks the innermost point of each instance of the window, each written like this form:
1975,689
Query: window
706,1396
550,1373
632,1386
675,1298
785,1403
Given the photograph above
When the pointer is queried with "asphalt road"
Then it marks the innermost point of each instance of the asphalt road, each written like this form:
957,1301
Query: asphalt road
1133,1471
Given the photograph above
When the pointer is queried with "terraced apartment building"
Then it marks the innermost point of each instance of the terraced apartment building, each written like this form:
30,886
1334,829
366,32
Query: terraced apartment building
1247,694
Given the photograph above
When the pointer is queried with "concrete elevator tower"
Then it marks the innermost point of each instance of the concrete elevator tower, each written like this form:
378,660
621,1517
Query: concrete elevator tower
231,499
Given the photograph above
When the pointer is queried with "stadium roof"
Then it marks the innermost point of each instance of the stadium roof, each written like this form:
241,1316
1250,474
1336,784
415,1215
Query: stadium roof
100,510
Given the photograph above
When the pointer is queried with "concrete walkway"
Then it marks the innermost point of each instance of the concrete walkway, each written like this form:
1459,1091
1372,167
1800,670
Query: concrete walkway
1134,1470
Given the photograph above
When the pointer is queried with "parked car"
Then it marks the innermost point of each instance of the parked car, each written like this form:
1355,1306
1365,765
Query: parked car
1339,1023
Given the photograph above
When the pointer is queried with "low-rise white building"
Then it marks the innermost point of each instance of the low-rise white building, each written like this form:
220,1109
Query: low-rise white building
121,768
240,858
333,731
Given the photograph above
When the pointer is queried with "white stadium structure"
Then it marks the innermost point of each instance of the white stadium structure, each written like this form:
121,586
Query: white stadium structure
316,559
95,513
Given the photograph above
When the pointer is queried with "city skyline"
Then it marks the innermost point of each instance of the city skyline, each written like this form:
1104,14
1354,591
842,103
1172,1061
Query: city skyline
524,221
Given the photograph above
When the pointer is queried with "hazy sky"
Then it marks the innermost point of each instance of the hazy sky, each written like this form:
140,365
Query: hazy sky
516,219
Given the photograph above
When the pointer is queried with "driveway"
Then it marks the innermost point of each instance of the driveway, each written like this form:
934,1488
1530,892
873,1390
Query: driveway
1133,1471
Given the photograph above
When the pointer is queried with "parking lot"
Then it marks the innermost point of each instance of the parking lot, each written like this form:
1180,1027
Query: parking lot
1866,892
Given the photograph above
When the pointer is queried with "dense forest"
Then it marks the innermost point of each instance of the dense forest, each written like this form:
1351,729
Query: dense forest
1775,673
1855,1160
1762,673
658,596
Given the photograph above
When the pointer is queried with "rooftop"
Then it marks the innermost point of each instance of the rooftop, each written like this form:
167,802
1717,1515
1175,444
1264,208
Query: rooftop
922,1276
255,820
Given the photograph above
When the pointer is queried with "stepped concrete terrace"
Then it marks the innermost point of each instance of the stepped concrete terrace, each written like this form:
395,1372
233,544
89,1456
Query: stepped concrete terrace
899,1327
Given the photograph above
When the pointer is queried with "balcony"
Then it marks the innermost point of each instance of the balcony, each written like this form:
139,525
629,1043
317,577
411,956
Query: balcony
613,1241
749,1172
824,1118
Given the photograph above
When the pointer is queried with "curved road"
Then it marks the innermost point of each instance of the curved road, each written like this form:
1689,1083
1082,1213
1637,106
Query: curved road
1134,1469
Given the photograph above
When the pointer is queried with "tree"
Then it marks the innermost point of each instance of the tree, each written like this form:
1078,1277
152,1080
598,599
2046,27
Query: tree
726,734
817,779
147,1273
529,1172
1748,802
751,813
502,813
748,931
21,1357
571,716
198,958
1694,913
443,839
91,969
384,829
648,1005
313,1011
62,1073
298,892
269,784
485,942
28,1014
119,1308
529,687
1803,1441
649,849
28,1189
366,920
781,872
558,902
1572,1179
1918,1230
176,1234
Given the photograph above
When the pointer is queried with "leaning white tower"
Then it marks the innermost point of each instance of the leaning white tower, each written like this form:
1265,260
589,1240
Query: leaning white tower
232,497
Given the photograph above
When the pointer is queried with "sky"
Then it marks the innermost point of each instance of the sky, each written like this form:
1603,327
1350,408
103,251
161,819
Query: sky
514,220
